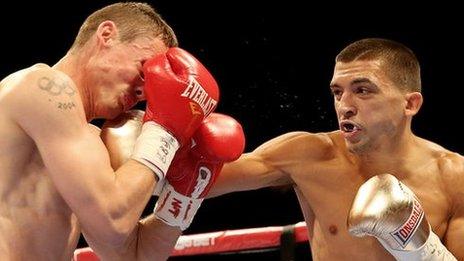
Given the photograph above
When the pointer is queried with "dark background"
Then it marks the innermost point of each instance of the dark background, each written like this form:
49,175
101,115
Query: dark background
273,62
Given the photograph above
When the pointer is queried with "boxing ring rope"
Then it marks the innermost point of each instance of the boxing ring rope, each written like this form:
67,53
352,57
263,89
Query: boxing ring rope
227,241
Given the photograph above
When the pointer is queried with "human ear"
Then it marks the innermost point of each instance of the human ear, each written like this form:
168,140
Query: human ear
413,103
106,33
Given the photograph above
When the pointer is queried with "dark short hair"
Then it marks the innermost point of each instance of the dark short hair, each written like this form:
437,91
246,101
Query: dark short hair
399,62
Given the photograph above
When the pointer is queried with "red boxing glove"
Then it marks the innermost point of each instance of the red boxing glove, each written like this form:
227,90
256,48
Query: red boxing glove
180,94
218,140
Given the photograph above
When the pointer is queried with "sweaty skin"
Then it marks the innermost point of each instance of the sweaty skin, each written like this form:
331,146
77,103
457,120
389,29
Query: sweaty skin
31,208
326,169
55,169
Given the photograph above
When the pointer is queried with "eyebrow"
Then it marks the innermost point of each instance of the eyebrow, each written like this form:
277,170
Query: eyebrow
356,81
361,80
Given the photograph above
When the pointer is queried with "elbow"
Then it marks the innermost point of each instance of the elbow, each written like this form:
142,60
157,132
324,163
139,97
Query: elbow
120,225
119,232
113,233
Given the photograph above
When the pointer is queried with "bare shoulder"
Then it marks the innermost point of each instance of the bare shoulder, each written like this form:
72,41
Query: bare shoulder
306,145
448,161
42,98
45,82
20,77
48,79
450,165
39,78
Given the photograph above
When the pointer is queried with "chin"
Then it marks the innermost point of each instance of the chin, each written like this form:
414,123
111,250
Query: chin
114,115
111,114
358,147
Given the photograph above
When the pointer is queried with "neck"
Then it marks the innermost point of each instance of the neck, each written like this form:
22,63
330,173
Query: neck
390,157
73,65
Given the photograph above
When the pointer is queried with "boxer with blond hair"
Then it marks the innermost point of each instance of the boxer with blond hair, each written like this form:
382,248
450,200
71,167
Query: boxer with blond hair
56,177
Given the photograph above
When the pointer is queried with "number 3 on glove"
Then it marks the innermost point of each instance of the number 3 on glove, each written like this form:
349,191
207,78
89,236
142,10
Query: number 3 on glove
219,139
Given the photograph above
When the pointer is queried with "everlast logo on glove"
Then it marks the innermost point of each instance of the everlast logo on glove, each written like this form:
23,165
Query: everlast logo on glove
403,234
204,176
197,93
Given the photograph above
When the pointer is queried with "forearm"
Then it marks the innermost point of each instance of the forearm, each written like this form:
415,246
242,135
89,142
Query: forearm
118,205
156,240
151,239
235,176
247,173
134,187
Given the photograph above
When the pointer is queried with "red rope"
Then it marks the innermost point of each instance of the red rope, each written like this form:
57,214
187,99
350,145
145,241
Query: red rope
222,241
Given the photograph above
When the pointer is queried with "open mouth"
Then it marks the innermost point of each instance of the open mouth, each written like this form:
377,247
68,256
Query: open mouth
348,127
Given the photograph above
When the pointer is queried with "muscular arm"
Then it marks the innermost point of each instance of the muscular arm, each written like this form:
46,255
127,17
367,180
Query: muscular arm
151,239
455,235
454,180
46,105
270,164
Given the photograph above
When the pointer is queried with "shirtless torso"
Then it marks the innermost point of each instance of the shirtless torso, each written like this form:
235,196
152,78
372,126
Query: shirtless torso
36,223
326,178
375,98
56,177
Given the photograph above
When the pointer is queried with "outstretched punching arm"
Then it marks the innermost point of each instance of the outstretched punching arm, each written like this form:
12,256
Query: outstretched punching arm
272,163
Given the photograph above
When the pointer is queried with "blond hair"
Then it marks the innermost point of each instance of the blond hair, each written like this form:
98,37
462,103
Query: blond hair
132,19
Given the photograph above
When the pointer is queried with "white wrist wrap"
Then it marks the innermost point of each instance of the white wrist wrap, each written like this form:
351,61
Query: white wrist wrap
432,250
155,147
176,209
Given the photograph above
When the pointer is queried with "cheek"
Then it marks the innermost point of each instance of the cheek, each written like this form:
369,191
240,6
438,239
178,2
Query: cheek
128,74
336,107
374,113
387,118
395,109
110,94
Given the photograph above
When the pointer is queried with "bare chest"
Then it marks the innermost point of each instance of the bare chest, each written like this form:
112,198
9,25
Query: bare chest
326,195
31,208
25,182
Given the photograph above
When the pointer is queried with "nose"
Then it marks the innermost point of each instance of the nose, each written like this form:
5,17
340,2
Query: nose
346,106
139,93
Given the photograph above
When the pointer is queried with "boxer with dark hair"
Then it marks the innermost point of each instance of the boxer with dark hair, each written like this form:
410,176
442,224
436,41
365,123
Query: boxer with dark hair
376,88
